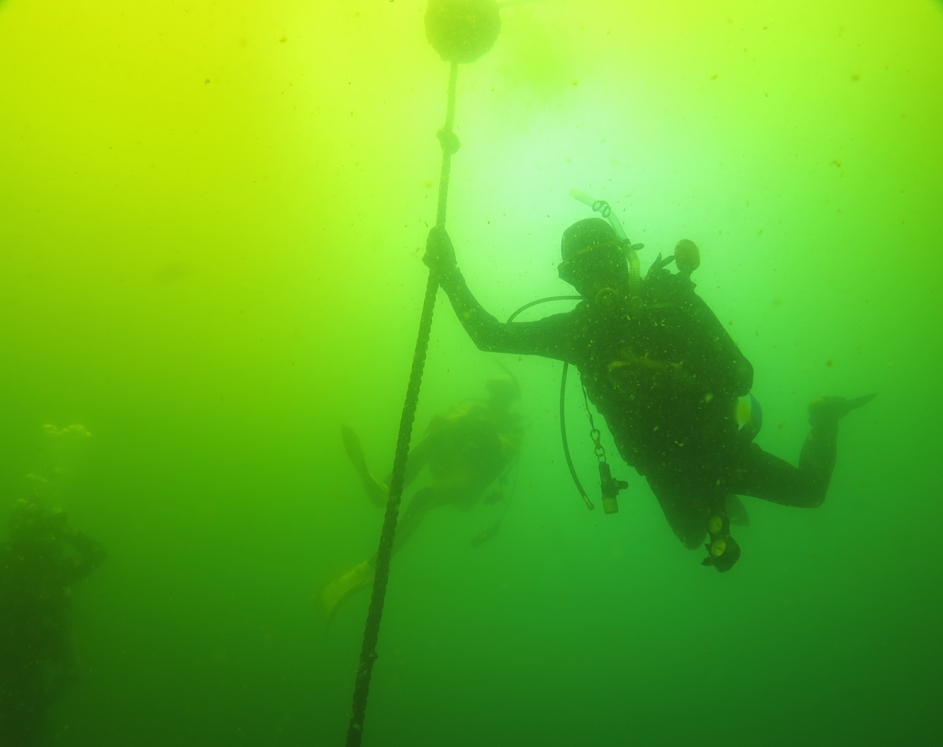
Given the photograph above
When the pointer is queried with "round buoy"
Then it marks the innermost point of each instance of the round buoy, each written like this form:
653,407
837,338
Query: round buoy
462,30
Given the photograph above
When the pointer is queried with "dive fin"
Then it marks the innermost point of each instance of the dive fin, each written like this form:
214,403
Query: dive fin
376,491
342,587
854,404
486,535
833,409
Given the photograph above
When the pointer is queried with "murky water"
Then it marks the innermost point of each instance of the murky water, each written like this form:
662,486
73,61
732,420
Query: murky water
211,224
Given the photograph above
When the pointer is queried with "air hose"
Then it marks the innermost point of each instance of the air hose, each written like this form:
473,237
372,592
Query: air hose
609,486
566,366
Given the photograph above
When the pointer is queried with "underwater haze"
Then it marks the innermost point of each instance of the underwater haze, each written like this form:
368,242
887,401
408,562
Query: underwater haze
212,219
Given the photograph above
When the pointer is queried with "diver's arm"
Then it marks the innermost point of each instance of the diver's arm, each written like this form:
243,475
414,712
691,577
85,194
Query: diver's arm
543,337
546,337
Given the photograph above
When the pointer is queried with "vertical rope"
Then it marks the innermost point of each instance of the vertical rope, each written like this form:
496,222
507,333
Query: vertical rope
368,651
449,147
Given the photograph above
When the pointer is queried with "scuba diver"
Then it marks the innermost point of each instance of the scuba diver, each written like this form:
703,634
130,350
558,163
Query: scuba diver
465,452
666,376
43,557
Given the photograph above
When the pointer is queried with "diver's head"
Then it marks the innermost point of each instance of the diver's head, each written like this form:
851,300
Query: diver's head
503,391
687,257
593,260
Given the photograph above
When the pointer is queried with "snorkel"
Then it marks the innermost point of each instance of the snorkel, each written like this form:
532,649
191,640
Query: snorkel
631,250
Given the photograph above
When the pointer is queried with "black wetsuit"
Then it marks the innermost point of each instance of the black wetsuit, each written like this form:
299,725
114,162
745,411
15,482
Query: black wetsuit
666,378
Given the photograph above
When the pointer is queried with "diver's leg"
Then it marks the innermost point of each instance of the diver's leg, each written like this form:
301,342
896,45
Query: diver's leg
374,489
423,501
765,476
686,509
413,468
762,475
415,462
694,503
344,585
419,455
768,477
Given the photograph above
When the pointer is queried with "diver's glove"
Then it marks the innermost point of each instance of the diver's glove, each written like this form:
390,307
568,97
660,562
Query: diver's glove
440,254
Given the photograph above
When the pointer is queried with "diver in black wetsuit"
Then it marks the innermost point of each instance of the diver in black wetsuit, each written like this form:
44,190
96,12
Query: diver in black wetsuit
665,375
42,559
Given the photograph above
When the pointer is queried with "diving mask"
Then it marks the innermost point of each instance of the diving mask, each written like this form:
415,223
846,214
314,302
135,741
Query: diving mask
598,262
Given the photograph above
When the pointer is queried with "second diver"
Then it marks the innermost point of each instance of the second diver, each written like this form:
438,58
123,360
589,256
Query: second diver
465,452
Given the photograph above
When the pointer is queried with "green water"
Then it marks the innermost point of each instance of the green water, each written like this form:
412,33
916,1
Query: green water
211,221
